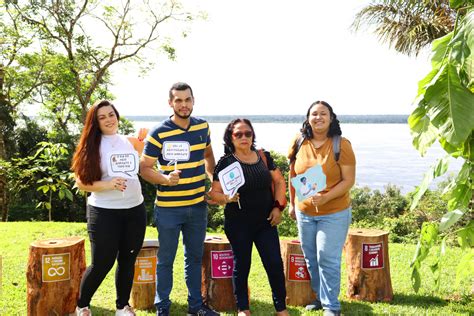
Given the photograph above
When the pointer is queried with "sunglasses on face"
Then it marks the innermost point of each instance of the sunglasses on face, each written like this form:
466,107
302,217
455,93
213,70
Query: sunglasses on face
247,134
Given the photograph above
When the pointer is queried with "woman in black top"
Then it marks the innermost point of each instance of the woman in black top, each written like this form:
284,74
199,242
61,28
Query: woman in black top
252,214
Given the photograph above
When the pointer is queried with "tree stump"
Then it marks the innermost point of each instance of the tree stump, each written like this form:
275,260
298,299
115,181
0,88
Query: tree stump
143,289
297,279
54,272
217,267
368,266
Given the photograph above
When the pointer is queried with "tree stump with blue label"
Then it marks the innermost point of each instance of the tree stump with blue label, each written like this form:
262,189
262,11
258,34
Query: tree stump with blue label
54,272
142,295
217,267
297,279
368,266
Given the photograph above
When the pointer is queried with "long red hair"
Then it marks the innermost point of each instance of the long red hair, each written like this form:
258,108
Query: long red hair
86,159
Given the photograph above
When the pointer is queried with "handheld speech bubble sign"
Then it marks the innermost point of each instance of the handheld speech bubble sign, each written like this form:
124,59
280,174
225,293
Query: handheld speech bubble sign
120,164
176,151
231,178
309,183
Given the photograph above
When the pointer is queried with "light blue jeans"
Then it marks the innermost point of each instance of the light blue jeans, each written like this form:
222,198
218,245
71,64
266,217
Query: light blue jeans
192,222
322,239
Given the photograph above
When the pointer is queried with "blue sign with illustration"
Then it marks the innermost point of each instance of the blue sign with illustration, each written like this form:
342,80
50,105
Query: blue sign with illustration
309,183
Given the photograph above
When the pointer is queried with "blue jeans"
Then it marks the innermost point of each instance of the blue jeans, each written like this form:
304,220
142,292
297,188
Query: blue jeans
322,239
192,222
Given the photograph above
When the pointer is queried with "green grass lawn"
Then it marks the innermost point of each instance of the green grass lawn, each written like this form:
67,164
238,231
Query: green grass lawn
17,236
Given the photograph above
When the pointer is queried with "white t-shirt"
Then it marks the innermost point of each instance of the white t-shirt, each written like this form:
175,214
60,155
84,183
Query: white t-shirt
114,199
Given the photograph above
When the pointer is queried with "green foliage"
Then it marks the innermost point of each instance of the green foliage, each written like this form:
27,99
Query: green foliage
376,205
444,113
126,126
43,173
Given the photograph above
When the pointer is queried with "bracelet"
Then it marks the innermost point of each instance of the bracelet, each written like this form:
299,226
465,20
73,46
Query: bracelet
278,205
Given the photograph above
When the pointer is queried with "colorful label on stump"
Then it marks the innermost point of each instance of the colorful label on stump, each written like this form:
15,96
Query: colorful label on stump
55,267
297,270
145,270
372,256
222,264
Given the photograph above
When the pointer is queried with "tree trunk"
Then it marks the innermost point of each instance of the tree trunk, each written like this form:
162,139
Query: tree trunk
143,289
54,272
217,267
368,267
297,279
4,197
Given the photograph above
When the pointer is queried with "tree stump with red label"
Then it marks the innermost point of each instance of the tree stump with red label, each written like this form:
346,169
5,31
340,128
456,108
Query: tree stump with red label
54,272
217,267
297,279
368,267
143,289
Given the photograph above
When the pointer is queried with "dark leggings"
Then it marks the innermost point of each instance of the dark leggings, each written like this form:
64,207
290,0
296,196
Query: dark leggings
114,234
241,236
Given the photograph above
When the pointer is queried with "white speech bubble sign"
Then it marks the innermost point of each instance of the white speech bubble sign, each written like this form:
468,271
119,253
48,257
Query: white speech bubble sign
176,151
120,164
231,178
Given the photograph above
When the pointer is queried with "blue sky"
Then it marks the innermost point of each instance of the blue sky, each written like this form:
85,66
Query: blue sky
277,57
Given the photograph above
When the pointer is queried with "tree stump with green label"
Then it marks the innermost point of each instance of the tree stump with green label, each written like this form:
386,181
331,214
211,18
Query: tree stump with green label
54,272
217,266
297,279
368,266
144,280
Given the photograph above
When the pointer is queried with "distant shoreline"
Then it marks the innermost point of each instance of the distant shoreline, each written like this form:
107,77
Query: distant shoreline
358,119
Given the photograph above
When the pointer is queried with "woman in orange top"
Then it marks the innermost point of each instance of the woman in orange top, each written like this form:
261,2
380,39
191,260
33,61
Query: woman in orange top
323,219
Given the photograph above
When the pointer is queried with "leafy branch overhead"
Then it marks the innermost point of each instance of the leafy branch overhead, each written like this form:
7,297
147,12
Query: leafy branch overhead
93,36
407,25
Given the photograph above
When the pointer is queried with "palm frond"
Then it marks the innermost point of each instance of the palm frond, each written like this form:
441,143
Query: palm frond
407,25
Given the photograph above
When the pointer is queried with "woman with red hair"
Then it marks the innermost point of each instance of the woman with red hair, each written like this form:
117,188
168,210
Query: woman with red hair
106,165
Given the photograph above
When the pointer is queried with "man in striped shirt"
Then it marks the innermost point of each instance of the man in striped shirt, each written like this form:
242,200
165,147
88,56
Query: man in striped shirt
182,147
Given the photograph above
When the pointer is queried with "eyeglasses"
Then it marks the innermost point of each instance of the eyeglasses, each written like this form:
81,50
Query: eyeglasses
247,134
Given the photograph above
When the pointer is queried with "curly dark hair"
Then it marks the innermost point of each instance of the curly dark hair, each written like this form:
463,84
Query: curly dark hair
307,131
228,146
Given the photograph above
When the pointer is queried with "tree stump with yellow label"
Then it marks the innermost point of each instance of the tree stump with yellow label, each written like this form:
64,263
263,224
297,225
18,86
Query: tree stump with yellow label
144,280
368,266
217,267
54,272
297,279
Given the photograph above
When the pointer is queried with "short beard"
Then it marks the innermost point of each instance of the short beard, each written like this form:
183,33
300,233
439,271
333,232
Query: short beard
184,117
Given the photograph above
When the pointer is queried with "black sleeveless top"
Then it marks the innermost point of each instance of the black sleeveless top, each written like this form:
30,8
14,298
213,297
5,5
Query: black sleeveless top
256,198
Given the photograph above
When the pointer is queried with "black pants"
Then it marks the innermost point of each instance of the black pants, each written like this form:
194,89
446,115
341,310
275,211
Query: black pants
241,236
114,234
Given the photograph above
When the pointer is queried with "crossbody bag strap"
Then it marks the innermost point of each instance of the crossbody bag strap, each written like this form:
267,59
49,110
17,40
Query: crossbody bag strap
336,146
263,156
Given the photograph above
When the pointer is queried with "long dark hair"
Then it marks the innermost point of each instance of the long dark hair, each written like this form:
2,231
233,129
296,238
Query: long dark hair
228,146
86,159
307,131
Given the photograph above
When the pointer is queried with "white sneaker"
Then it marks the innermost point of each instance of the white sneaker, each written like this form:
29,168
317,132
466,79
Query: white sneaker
85,311
126,311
